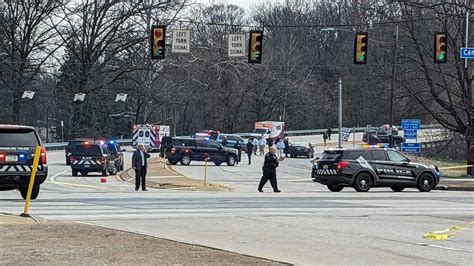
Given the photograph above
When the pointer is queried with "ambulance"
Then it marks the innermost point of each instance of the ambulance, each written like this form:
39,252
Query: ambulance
270,129
149,135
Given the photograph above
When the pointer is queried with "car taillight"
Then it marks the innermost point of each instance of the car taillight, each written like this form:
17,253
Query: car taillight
43,156
173,150
2,157
71,158
342,165
102,159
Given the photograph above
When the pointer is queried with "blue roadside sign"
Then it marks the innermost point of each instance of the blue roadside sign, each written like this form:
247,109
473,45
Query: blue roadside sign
411,147
410,134
467,52
411,124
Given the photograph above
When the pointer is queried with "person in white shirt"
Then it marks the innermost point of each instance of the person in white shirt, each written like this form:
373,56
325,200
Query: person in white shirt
261,145
255,146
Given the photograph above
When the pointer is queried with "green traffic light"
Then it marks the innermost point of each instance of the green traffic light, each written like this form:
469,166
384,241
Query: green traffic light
361,58
441,56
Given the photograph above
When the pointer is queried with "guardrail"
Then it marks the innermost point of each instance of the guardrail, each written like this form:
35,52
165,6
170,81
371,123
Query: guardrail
62,145
306,132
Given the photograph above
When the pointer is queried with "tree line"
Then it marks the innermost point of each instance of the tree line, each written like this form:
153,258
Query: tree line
101,48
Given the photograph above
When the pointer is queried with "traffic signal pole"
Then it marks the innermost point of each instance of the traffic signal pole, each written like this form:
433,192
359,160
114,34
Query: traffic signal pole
392,87
339,85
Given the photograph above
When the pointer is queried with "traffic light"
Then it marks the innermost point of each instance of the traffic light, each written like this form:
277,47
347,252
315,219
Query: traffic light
157,39
440,48
255,47
360,48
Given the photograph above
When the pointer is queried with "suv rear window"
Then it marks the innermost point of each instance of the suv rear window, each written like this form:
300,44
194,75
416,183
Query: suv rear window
182,142
72,144
352,155
87,150
18,138
378,155
331,155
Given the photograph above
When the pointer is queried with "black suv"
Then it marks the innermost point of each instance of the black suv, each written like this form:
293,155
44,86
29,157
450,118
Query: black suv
17,149
185,150
86,158
70,146
363,168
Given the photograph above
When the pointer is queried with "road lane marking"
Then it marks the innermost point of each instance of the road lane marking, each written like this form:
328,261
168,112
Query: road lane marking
66,184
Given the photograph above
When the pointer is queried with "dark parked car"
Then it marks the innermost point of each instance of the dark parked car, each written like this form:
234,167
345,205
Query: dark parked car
87,157
17,149
301,149
70,146
375,136
116,154
185,150
232,140
372,167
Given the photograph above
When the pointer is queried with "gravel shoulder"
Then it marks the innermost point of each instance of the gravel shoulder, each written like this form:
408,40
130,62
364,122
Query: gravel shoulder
80,244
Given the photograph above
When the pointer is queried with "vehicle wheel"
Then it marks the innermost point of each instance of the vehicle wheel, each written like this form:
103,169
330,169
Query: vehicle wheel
84,173
426,182
397,188
363,182
34,192
113,172
231,160
105,173
308,156
68,162
335,188
185,160
74,172
217,163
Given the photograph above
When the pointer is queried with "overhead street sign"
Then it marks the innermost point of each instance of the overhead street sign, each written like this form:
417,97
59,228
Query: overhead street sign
181,41
236,45
411,147
467,52
410,124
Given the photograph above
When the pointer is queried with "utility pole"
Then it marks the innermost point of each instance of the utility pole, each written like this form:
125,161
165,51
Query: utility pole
339,85
392,87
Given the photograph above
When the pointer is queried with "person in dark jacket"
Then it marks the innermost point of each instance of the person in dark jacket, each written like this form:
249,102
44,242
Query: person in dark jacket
250,150
239,151
269,171
287,147
224,142
269,143
329,132
140,165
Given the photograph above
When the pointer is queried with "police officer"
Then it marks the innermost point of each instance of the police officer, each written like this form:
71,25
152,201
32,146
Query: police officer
269,171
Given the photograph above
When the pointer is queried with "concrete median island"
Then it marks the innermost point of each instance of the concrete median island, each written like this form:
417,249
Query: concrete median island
161,176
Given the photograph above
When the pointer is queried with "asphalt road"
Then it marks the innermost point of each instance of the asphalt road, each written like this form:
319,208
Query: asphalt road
305,224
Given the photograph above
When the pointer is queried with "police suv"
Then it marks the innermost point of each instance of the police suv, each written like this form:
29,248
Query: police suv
363,168
89,157
17,150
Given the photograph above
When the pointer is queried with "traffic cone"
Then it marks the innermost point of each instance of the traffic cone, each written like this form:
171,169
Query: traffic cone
103,180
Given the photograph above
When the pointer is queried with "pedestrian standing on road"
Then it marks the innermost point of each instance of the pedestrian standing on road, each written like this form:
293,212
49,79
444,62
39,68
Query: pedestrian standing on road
140,165
287,147
255,145
269,171
269,143
329,132
325,138
261,145
224,142
239,151
250,148
280,147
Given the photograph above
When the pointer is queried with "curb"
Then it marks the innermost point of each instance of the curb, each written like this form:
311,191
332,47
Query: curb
454,188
